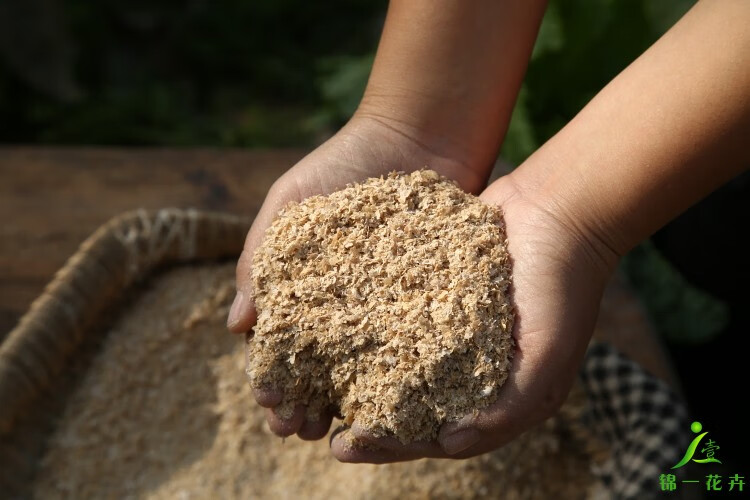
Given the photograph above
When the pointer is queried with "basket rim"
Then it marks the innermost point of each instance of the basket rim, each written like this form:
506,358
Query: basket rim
124,250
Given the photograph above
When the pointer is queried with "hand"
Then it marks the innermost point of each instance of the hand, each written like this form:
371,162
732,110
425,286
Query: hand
559,273
368,146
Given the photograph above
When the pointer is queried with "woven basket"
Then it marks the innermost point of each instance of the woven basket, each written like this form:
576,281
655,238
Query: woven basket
119,253
44,358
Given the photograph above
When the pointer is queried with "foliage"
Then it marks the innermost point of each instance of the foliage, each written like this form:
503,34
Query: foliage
270,73
267,72
234,73
581,46
682,312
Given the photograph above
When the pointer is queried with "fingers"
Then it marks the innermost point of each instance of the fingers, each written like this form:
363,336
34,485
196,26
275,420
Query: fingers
284,427
523,402
391,443
242,315
346,448
305,426
314,429
460,440
529,396
358,445
267,398
352,453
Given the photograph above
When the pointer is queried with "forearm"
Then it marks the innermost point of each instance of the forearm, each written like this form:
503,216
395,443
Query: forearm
667,131
449,71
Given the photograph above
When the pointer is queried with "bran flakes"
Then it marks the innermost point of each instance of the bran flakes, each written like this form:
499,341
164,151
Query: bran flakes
164,412
388,300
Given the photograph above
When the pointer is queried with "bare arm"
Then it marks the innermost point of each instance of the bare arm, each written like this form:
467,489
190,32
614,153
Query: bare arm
450,70
666,132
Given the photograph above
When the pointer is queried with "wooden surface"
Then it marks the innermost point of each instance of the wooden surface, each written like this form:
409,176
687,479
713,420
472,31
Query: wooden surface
52,199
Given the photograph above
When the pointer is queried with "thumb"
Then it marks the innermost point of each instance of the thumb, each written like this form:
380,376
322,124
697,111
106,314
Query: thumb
242,314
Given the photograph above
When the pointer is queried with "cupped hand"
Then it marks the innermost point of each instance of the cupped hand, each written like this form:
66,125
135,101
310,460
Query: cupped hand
559,273
368,146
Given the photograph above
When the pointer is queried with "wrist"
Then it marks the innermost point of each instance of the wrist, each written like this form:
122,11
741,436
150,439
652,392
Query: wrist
576,234
439,127
409,147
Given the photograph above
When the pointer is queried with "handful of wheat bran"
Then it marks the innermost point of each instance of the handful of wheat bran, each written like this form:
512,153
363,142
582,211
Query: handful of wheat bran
387,300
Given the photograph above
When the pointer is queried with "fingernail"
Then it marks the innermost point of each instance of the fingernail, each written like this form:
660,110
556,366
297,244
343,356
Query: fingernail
236,310
460,440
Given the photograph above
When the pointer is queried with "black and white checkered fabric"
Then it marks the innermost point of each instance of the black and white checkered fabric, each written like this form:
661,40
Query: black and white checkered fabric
642,420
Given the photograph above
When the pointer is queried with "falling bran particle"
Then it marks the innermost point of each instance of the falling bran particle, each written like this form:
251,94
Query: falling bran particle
388,300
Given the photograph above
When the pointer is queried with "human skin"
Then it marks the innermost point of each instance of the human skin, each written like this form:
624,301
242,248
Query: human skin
404,123
667,131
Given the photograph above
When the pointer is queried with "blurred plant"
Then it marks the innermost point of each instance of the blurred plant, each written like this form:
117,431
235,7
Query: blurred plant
581,46
38,49
277,73
268,72
165,73
682,312
341,84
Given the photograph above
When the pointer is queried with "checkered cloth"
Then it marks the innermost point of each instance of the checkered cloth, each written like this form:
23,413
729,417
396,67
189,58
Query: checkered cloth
642,420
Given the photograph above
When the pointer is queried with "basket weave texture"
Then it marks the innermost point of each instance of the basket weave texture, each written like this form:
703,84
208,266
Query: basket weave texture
125,249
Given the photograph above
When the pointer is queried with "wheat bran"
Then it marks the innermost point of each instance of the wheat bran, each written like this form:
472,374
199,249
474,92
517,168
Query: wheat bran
164,412
387,300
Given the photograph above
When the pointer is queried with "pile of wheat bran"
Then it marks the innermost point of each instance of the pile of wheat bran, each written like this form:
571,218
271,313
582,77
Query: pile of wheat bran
388,300
164,412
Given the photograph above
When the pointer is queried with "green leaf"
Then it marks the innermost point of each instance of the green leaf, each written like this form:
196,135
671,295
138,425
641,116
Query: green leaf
520,140
551,37
682,312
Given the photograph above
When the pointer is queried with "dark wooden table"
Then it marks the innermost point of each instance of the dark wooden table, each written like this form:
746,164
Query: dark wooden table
51,199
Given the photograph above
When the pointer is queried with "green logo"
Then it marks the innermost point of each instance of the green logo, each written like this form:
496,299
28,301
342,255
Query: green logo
712,481
709,449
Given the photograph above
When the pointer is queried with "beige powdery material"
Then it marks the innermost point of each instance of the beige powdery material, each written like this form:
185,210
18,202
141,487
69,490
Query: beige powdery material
387,300
161,412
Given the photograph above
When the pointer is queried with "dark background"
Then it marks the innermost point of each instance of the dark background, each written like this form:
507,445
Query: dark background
283,73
